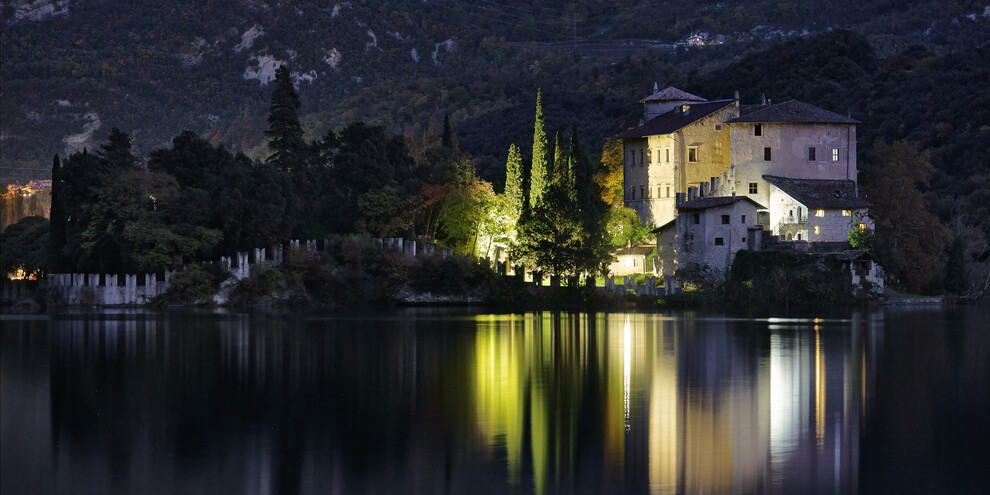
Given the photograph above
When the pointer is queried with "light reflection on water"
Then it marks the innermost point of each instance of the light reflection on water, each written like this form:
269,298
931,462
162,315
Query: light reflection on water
540,402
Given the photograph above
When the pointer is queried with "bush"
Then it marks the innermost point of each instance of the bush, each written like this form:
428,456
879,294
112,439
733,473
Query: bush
195,284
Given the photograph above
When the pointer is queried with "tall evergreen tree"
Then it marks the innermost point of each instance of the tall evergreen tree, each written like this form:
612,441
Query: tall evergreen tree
514,190
116,153
559,169
448,134
538,179
56,226
285,134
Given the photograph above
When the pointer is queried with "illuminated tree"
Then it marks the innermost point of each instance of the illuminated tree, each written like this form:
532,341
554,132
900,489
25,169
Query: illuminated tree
538,179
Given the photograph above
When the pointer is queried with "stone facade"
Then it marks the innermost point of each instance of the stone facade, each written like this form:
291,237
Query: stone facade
710,231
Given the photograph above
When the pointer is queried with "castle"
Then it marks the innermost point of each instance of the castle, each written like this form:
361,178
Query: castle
715,175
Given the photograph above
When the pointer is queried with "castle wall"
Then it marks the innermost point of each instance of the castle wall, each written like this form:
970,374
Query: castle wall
789,145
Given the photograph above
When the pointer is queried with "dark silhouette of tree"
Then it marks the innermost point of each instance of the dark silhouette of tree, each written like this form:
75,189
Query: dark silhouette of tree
285,134
56,235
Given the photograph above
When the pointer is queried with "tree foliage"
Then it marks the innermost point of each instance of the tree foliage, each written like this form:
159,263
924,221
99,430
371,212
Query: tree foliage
911,242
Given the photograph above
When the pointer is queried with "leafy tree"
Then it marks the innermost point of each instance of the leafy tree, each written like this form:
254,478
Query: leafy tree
25,246
608,176
955,273
538,173
910,240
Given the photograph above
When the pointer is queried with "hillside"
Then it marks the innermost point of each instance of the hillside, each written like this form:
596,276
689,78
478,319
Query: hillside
72,69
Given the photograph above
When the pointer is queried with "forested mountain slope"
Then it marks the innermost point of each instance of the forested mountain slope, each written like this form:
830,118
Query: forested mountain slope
72,69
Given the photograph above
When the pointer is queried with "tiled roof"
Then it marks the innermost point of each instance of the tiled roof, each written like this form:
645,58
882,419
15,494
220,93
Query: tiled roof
637,250
790,111
676,119
671,94
712,202
820,193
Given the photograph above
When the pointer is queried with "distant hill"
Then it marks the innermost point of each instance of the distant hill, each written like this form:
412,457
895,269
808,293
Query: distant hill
72,69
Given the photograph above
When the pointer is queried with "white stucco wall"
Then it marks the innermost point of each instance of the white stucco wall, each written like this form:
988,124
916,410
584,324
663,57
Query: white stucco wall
789,145
697,241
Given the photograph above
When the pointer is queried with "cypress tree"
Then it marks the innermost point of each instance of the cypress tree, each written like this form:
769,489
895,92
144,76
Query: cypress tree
514,190
285,134
56,225
448,135
559,170
541,158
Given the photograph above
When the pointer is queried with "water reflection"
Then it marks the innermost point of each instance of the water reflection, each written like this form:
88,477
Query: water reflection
542,403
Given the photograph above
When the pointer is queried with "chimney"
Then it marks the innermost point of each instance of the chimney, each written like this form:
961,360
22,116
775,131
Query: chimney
656,89
678,198
703,188
735,95
763,99
692,193
715,191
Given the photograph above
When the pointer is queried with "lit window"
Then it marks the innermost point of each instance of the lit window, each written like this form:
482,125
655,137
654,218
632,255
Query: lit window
818,230
649,156
692,154
835,154
758,130
811,153
725,219
719,241
752,188
846,213
766,154
862,227
819,213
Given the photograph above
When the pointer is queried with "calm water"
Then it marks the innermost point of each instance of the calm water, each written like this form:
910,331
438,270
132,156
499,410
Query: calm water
890,401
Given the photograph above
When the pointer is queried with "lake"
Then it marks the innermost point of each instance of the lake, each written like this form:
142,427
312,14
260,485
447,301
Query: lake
892,400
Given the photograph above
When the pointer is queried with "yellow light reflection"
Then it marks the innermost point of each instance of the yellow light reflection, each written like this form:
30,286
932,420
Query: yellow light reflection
819,392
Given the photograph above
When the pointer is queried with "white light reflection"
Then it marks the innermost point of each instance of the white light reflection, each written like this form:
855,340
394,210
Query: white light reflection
626,366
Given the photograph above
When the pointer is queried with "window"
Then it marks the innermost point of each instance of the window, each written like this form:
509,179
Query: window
640,157
719,241
649,156
632,157
835,154
742,220
819,213
758,130
668,191
692,154
766,154
642,193
632,192
811,153
668,154
862,227
799,236
753,188
846,213
744,239
697,219
658,192
718,127
818,230
725,219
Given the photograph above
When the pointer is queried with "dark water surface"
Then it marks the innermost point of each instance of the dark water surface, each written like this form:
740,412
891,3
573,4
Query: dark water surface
888,401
